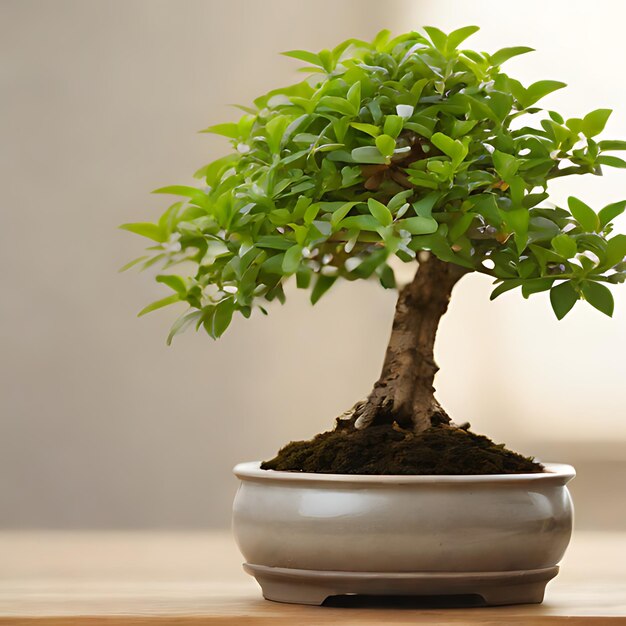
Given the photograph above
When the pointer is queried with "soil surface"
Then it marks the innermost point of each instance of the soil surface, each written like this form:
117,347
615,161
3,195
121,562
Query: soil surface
388,449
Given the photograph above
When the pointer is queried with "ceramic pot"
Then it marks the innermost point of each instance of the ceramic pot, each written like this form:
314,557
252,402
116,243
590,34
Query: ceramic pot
308,536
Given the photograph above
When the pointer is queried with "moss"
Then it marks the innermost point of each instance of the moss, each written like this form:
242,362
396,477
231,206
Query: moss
387,449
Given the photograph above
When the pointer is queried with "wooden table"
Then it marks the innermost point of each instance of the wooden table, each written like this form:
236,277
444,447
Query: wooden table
110,578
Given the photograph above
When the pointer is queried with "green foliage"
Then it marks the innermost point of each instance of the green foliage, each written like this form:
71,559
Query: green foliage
388,148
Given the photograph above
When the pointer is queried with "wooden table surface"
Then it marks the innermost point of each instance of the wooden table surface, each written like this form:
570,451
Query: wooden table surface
141,578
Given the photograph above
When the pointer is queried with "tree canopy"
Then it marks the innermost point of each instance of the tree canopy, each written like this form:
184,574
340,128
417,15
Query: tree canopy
386,149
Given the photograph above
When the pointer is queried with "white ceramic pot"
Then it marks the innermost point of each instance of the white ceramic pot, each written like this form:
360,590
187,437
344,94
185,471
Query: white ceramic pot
308,536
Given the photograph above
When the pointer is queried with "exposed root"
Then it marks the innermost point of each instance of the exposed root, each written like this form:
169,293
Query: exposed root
368,411
381,409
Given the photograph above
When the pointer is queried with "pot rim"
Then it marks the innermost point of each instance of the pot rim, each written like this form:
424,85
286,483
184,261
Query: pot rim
559,473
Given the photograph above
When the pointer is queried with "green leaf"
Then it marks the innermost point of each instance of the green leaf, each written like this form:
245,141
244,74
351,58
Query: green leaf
462,128
386,145
158,304
610,144
368,154
542,229
275,129
379,211
370,264
458,36
539,90
360,222
173,282
274,264
486,205
339,105
455,149
381,39
399,200
311,213
517,187
387,277
556,117
594,122
133,263
340,213
303,278
536,285
504,54
222,317
213,172
274,242
610,212
230,130
480,109
422,179
146,229
583,214
341,156
416,92
563,297
424,206
168,220
182,323
438,37
575,124
518,221
370,129
304,55
418,225
460,226
504,286
326,57
505,164
393,126
598,296
420,129
354,96
611,161
545,256
322,285
450,147
182,190
565,246
615,250
291,260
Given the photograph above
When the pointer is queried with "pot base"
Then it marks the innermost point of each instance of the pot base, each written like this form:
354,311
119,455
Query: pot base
299,586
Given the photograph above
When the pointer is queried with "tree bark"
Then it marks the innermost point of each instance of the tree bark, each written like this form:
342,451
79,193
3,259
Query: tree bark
404,392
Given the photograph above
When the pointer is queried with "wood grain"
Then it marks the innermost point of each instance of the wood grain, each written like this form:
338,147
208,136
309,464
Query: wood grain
188,579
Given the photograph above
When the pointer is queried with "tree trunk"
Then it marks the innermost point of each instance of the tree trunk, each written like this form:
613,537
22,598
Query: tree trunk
404,393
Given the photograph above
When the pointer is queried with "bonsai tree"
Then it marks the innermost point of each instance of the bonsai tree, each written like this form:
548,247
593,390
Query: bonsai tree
405,148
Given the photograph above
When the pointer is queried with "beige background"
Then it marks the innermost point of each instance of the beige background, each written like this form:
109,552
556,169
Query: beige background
101,424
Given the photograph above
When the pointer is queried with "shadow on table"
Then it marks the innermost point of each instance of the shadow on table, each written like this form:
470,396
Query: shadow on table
355,601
